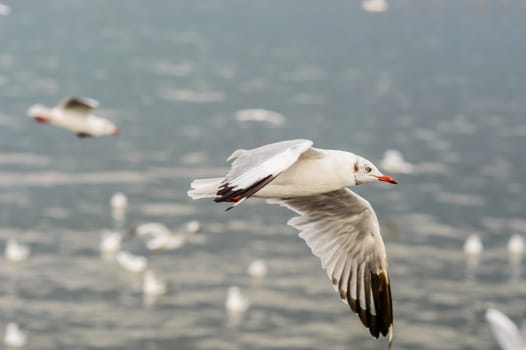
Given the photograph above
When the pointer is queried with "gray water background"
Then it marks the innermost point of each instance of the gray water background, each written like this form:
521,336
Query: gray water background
442,81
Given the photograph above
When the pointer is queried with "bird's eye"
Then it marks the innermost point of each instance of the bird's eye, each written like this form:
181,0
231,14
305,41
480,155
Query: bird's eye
368,169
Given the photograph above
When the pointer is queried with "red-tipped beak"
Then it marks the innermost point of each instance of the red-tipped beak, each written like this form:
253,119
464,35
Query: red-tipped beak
387,178
41,119
116,132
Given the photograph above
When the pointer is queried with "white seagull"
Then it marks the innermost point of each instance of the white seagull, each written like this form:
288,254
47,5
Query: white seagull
119,201
75,114
473,248
159,237
516,247
4,10
16,251
505,331
110,243
338,225
257,269
132,263
14,337
235,300
153,285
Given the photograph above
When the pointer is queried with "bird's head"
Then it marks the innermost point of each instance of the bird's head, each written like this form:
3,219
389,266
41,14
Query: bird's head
40,113
365,171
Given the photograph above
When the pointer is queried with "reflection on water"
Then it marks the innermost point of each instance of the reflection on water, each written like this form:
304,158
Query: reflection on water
441,81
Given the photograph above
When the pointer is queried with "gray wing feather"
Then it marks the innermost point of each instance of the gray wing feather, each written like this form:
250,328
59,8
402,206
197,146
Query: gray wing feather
341,228
79,106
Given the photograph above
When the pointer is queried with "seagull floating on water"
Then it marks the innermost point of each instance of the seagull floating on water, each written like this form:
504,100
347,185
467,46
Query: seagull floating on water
473,248
192,226
119,201
110,243
153,285
338,225
75,114
505,331
516,247
394,162
160,237
14,337
257,269
132,263
16,251
235,300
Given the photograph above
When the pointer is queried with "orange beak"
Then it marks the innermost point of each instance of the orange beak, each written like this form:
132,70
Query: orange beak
116,132
387,178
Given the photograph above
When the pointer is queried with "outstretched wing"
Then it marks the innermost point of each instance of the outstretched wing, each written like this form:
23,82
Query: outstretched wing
79,106
253,169
505,331
341,228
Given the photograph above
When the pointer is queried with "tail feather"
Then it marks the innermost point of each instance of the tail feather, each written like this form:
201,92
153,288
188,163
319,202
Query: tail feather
204,188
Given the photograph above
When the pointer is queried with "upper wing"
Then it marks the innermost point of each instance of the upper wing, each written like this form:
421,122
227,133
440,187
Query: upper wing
79,106
341,228
254,169
505,331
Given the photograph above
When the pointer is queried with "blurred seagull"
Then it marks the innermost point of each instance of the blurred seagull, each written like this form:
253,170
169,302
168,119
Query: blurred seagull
75,114
110,243
260,115
153,285
119,201
192,226
473,248
505,331
516,248
159,237
394,162
14,337
338,225
235,300
132,263
257,269
374,5
15,251
4,10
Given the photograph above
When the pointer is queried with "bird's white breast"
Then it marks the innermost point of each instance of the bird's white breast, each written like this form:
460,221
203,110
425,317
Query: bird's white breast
331,171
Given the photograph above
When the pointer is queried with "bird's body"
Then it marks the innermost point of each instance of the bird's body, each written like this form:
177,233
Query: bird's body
110,243
236,301
339,226
75,114
159,237
14,337
132,263
516,245
153,285
257,269
16,251
119,201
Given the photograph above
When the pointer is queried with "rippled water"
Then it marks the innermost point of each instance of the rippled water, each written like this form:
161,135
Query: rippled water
442,81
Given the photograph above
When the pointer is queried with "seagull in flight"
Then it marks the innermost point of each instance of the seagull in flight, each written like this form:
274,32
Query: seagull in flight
338,225
74,114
